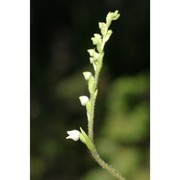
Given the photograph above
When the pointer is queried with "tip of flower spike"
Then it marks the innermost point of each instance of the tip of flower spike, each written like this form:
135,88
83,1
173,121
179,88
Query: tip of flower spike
116,15
112,16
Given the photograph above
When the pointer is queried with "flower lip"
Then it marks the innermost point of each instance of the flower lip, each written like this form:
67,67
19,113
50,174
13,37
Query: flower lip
73,134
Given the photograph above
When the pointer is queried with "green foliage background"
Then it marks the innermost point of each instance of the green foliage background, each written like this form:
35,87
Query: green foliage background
60,35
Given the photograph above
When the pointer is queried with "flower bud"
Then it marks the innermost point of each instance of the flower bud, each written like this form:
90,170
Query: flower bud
103,28
108,35
91,52
112,16
94,56
87,75
96,39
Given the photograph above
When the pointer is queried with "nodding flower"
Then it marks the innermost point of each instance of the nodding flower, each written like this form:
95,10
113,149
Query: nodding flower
73,134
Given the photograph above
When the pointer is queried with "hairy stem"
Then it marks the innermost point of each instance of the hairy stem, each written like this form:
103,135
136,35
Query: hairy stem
92,107
106,166
94,152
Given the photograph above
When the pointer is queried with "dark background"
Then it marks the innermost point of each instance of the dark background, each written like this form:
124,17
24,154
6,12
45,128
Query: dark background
60,36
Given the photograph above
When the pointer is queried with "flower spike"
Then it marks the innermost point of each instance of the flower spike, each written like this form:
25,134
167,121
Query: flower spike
96,59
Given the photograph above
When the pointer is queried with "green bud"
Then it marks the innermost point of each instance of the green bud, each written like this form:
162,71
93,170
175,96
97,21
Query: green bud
109,18
97,36
94,55
112,16
115,15
103,28
91,52
96,39
108,35
101,25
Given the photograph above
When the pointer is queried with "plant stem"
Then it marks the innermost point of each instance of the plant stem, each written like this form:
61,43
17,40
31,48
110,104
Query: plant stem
94,152
106,166
92,107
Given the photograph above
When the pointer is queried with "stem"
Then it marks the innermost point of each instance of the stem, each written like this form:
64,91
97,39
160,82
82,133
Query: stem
92,108
94,152
106,166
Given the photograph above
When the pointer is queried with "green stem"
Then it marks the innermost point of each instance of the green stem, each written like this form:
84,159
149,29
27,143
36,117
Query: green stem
106,166
94,152
92,107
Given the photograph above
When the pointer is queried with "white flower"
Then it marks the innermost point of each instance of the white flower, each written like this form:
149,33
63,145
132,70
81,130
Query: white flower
73,134
87,75
83,100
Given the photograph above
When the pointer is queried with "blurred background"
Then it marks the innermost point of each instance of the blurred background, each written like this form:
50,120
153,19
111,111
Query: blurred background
60,36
